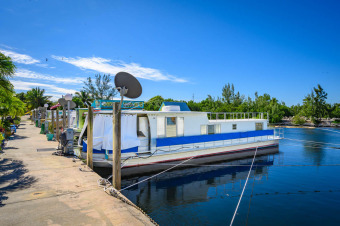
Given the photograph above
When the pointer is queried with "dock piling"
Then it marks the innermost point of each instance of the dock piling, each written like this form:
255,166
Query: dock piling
57,125
116,152
90,138
52,120
64,118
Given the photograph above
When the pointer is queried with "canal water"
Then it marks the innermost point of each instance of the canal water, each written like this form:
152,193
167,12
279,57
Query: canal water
299,185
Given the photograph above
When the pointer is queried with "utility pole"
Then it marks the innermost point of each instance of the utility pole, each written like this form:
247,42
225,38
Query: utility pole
116,150
90,138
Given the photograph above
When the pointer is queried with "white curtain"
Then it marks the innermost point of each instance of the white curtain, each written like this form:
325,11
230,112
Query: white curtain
98,131
129,131
103,134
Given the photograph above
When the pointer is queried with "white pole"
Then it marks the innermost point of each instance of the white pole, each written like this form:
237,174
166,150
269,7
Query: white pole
68,115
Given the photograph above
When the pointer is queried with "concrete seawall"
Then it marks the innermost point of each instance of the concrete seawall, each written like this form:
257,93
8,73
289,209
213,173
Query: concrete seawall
38,188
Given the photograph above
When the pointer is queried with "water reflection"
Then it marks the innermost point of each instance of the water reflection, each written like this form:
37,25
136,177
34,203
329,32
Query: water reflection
315,151
195,184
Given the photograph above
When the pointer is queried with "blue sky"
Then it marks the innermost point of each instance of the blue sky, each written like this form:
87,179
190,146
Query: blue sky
177,49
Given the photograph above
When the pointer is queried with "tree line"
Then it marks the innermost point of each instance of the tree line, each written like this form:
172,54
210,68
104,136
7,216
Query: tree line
314,107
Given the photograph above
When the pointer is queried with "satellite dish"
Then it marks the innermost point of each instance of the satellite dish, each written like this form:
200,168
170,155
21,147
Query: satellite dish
130,83
63,103
72,105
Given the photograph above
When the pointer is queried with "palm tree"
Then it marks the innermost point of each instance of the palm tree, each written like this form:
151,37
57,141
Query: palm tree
85,97
7,70
35,98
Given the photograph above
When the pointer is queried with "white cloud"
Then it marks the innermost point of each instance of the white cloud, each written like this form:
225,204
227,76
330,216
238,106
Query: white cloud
113,67
21,85
24,73
19,58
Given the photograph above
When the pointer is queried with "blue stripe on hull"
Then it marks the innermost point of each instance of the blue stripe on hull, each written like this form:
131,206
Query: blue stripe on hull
168,141
102,151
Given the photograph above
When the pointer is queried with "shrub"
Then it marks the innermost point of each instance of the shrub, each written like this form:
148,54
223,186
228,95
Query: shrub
298,120
50,128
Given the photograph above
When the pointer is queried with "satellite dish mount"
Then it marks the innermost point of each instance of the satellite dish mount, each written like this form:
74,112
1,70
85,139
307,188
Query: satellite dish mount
128,86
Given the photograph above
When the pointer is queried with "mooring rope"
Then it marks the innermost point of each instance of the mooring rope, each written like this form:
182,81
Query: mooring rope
244,187
158,173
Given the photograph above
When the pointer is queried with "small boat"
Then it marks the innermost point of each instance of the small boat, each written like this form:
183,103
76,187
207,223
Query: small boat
149,139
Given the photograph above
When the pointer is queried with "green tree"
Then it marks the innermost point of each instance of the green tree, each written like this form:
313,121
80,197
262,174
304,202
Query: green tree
154,103
228,93
335,113
100,89
21,96
10,105
7,70
84,97
320,103
35,98
314,105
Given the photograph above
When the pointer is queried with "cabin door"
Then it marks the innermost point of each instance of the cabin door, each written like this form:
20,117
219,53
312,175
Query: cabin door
143,134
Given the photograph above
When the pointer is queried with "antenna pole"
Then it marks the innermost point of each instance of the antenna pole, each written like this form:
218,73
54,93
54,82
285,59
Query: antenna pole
116,150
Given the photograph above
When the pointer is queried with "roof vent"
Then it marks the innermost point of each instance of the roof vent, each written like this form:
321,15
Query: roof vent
171,108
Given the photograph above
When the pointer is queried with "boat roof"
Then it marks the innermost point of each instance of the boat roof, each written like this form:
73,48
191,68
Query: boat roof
152,112
183,106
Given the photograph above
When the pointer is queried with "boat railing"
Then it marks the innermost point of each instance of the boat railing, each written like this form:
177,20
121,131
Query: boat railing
216,144
237,115
279,133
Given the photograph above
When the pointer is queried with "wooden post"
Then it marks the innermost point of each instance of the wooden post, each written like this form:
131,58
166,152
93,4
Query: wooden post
64,119
57,125
90,137
116,152
52,120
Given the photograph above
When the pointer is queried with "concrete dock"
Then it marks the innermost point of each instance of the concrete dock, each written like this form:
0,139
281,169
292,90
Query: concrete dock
38,188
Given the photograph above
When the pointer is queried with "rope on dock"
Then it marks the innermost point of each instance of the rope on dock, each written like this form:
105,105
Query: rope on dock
244,187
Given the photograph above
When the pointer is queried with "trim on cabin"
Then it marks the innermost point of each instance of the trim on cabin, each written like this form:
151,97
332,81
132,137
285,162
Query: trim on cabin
168,141
208,155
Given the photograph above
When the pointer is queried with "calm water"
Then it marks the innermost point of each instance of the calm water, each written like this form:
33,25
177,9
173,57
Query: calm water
299,185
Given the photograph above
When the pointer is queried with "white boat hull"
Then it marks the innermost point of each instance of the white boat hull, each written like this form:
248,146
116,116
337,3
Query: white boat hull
159,162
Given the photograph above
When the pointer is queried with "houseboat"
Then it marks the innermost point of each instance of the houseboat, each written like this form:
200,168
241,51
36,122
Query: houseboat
153,140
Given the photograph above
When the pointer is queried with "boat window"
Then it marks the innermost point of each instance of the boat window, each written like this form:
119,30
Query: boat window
218,128
160,126
203,129
234,126
259,126
180,126
211,129
171,127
